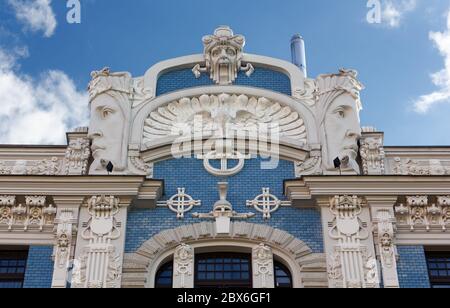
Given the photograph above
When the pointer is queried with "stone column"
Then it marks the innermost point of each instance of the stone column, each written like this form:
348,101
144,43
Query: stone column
382,209
348,242
263,269
100,243
66,229
183,267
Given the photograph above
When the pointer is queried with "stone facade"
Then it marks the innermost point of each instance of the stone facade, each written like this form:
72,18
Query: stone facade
225,152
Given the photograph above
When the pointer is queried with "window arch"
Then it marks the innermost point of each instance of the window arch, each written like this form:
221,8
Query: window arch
164,276
283,277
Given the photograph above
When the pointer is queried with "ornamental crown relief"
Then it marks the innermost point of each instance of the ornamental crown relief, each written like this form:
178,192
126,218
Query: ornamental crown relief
223,57
321,116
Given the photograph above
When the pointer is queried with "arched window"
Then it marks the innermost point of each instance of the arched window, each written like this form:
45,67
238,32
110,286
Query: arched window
283,277
164,276
223,270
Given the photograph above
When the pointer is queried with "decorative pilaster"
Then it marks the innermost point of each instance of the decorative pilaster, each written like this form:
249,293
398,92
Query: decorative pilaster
65,237
100,244
183,265
349,244
382,209
263,269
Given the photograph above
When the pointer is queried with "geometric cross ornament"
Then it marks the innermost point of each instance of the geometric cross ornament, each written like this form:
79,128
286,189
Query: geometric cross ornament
180,203
267,203
224,170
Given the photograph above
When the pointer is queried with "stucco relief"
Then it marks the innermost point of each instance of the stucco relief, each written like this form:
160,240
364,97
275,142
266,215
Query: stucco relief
50,166
223,53
109,95
220,115
337,114
407,166
322,114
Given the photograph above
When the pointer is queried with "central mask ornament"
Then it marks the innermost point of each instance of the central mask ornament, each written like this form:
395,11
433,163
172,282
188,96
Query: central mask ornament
223,57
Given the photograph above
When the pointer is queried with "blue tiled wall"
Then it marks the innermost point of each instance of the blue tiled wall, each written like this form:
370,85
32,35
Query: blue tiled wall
39,272
305,224
261,78
412,267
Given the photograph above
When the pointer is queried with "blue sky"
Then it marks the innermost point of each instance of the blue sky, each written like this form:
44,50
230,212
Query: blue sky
45,63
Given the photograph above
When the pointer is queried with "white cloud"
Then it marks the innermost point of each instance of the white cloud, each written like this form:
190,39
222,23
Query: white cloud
37,110
37,15
442,78
394,11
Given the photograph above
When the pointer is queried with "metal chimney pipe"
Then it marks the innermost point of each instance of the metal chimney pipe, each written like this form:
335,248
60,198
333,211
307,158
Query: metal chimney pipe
298,53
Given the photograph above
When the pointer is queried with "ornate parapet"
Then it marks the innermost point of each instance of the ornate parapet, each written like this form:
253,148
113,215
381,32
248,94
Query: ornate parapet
46,166
417,161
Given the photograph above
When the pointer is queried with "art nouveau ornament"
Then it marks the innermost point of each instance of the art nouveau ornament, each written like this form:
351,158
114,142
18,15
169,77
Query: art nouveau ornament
50,166
223,212
372,154
223,54
65,224
263,268
225,169
419,214
35,216
99,264
350,263
407,166
222,115
180,203
267,203
77,156
338,108
110,105
385,233
183,261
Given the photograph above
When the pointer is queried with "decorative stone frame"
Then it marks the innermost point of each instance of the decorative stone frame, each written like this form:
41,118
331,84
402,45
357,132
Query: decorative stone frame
293,72
308,269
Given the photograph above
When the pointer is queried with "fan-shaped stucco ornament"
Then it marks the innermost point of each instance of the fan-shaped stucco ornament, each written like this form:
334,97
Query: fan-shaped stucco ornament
217,115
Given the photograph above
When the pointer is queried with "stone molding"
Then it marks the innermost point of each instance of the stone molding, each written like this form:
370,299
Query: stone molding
311,266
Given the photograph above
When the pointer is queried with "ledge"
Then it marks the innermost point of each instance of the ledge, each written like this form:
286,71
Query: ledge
307,188
130,186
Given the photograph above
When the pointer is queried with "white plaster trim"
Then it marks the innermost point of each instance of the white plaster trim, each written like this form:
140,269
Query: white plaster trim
308,269
141,113
293,72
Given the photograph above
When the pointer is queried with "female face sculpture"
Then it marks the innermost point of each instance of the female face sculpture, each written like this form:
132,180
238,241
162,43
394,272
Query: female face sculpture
107,132
342,130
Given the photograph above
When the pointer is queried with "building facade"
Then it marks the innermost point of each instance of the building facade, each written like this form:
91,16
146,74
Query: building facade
225,169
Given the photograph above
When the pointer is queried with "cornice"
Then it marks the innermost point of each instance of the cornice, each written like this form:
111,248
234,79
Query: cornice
313,186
